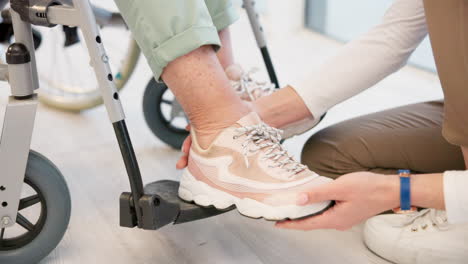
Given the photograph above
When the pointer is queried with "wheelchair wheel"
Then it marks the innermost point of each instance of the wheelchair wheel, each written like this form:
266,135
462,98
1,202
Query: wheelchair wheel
66,81
43,214
163,114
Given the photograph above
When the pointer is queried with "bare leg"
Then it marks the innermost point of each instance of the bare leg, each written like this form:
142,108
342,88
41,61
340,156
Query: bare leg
225,54
202,88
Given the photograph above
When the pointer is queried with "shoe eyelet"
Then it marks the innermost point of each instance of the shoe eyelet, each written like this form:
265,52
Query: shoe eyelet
424,227
414,230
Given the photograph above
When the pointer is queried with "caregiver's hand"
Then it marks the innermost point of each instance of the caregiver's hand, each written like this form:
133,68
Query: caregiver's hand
358,197
183,161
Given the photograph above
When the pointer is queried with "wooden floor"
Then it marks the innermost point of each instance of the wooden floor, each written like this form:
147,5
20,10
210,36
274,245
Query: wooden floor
84,148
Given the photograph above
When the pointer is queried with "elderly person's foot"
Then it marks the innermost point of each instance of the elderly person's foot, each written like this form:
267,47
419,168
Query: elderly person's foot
246,166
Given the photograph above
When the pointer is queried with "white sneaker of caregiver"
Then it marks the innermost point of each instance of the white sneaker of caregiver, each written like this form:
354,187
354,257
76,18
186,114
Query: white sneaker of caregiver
423,237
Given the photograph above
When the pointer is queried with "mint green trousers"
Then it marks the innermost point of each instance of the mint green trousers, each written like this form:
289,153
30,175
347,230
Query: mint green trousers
168,29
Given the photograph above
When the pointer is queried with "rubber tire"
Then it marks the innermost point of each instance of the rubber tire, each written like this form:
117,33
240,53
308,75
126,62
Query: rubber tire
155,120
46,176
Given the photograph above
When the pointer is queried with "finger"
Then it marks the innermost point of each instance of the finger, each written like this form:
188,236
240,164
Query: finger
325,192
188,127
315,222
330,219
186,145
342,216
182,163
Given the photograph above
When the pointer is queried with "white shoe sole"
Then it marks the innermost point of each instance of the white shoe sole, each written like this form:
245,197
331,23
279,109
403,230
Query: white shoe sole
192,190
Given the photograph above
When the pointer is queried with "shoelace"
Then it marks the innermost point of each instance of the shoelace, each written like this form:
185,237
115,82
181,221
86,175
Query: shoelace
262,136
250,89
425,218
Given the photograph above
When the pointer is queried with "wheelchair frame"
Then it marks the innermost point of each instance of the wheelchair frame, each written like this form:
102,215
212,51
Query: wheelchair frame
150,207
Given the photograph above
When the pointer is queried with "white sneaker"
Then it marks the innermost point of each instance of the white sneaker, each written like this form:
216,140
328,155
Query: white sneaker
245,84
423,237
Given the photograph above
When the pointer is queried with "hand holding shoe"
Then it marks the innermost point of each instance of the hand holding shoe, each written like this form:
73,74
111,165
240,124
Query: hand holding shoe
358,196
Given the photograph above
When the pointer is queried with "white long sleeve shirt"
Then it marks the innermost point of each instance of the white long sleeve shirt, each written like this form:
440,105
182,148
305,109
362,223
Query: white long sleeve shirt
367,60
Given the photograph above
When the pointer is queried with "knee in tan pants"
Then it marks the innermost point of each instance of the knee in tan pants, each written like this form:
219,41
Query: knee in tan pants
331,153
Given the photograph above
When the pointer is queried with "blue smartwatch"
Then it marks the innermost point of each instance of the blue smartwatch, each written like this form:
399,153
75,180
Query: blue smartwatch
405,193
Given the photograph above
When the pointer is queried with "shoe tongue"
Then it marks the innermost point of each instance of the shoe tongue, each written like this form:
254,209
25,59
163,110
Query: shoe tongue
253,119
249,120
234,72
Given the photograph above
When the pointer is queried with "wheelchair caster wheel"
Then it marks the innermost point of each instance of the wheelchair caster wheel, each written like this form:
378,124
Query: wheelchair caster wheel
43,214
164,115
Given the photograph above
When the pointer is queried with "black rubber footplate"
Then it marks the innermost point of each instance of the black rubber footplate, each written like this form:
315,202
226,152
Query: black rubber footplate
169,208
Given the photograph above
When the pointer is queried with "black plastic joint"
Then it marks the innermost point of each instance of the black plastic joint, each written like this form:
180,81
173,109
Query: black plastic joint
18,53
127,211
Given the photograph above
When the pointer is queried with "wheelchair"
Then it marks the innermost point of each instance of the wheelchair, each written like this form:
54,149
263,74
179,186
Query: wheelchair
28,180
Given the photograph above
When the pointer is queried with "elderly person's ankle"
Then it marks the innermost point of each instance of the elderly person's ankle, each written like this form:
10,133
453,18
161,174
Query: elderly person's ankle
208,123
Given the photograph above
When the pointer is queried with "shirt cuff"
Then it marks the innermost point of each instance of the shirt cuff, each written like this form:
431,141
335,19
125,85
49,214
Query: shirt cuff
456,196
317,105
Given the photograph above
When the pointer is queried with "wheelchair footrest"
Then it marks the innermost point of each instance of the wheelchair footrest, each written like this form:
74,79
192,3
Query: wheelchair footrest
161,206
